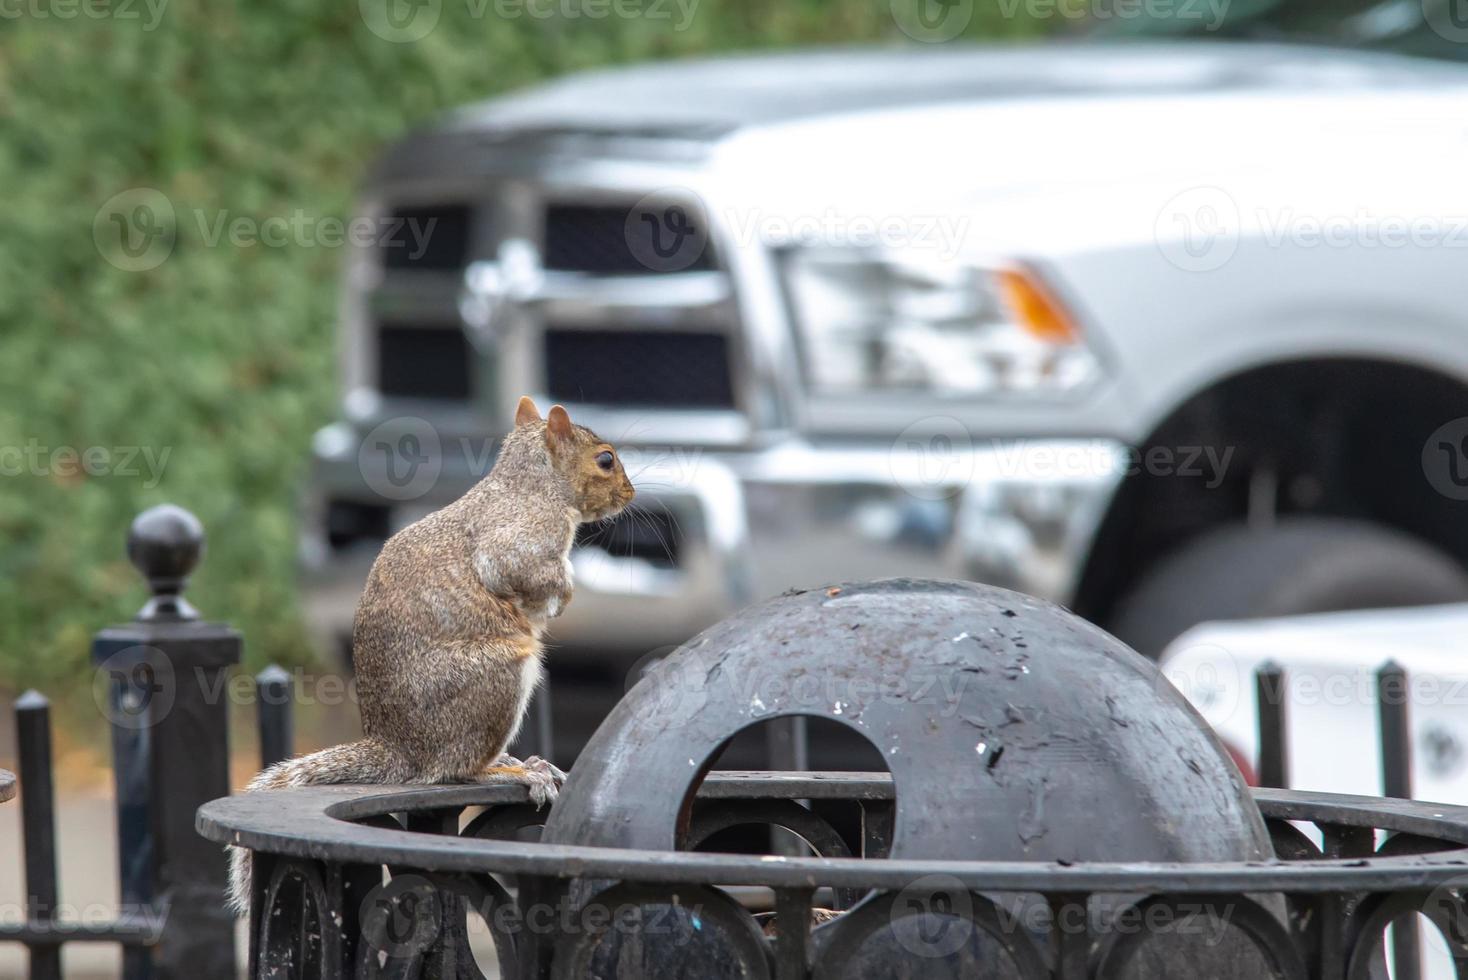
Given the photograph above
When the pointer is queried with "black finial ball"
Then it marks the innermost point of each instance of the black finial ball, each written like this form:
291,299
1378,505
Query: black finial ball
165,543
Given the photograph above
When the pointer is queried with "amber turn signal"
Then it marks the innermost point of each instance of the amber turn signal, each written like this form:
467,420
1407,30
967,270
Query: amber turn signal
1034,308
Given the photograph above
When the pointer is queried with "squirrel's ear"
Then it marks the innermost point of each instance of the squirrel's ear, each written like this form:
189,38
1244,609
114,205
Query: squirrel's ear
526,412
558,422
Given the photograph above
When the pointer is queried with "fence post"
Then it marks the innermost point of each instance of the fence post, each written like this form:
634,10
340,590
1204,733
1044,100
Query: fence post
1396,782
38,821
161,680
1396,735
273,695
1269,693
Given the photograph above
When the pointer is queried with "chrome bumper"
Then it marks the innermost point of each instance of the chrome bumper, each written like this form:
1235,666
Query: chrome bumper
1015,513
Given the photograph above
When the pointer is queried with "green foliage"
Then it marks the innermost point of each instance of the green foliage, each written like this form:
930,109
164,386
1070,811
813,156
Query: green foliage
222,357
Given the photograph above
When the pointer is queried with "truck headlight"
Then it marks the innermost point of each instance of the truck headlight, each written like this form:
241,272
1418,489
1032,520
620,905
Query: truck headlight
871,319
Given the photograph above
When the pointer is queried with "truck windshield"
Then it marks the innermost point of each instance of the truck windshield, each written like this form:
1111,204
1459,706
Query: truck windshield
1430,28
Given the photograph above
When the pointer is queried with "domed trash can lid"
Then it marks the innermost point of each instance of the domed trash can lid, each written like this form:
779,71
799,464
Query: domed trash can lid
1013,729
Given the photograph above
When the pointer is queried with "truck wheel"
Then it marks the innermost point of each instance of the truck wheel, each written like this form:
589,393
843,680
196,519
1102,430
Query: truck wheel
1300,565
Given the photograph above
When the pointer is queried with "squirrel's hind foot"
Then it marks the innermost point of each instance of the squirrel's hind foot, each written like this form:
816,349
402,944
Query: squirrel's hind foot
536,764
540,779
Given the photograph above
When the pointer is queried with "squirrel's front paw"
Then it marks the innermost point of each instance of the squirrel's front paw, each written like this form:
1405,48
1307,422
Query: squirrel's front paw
557,604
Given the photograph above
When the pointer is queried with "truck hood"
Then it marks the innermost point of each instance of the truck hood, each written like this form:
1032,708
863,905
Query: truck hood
711,97
1037,151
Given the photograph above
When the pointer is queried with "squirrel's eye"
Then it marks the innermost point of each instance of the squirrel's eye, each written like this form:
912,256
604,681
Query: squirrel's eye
605,460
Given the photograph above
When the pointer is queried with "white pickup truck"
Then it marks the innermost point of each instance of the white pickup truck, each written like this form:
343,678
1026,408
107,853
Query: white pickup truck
1165,331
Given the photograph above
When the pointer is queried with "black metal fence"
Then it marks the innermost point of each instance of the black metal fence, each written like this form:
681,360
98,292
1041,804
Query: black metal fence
1271,695
1064,815
161,682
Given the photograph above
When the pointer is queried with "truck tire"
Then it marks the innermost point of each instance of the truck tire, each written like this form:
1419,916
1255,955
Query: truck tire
1300,565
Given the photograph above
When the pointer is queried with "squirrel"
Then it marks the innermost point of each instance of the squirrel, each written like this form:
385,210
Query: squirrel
447,635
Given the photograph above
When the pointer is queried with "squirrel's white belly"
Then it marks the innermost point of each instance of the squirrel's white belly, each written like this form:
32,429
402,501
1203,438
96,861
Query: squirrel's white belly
531,672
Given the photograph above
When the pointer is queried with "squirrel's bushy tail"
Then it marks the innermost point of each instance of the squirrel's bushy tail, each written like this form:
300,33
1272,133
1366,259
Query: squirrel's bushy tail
365,761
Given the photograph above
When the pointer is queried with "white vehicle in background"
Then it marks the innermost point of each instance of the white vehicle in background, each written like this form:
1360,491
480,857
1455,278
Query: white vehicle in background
1332,731
1166,331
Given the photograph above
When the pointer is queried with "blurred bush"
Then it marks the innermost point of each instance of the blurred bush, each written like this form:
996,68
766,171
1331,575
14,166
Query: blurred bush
217,365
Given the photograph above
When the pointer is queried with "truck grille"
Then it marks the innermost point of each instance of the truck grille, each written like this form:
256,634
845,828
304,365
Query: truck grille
594,238
424,362
653,369
429,238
